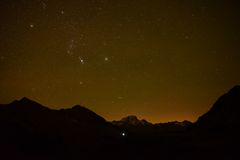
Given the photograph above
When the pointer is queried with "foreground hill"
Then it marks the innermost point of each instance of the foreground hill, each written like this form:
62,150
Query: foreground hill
27,126
224,115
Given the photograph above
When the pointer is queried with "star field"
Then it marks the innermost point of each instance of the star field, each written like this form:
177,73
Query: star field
159,60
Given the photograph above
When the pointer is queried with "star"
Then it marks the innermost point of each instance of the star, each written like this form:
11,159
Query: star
31,25
81,60
69,52
71,46
104,43
2,58
106,59
44,5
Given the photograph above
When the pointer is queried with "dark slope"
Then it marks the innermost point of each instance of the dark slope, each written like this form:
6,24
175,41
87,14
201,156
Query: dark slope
30,128
82,114
225,113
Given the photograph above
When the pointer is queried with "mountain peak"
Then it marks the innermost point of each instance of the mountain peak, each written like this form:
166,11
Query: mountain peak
79,107
27,103
25,99
132,120
81,113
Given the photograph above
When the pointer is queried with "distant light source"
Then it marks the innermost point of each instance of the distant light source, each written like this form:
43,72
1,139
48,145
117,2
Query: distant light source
31,25
106,58
123,134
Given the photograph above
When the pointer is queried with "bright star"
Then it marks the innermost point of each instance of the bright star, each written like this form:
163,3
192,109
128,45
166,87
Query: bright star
106,59
81,60
31,25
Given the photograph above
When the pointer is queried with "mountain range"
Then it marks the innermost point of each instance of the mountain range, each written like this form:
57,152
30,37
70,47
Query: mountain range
30,130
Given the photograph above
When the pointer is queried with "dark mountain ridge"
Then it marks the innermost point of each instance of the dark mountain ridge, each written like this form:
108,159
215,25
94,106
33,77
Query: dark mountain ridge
131,121
30,130
224,114
142,127
30,127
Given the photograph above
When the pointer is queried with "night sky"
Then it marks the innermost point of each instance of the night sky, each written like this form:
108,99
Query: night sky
160,60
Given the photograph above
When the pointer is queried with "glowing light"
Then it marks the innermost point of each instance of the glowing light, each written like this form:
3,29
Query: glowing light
106,59
31,25
81,60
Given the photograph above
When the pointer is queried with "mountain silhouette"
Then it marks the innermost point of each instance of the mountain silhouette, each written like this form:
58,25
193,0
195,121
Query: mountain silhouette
224,114
132,121
173,126
32,131
29,127
135,126
83,115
